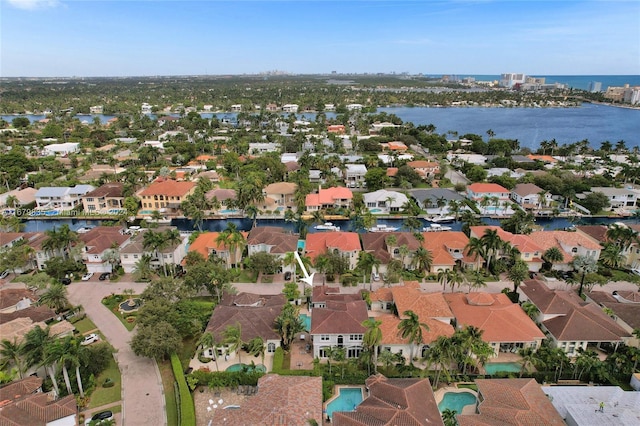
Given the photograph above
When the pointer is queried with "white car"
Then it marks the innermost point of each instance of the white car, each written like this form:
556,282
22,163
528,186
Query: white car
4,274
636,271
375,276
90,338
87,277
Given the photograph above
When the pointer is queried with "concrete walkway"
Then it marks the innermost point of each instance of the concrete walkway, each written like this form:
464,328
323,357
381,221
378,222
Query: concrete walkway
142,393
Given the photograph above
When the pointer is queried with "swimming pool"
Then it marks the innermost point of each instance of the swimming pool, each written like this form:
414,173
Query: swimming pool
239,367
502,367
375,210
228,211
306,320
456,401
145,212
301,245
347,400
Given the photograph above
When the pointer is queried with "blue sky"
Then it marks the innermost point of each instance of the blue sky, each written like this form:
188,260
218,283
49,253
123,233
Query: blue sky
142,38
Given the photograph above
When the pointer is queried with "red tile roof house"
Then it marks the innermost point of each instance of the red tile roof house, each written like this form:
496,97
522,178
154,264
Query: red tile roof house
346,244
339,324
530,251
255,314
336,197
570,322
426,169
224,197
431,308
165,194
22,403
281,400
272,240
477,191
517,402
625,306
393,402
504,324
376,243
569,243
206,245
449,249
98,242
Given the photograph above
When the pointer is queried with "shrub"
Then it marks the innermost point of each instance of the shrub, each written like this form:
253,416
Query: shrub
278,360
108,383
187,409
203,359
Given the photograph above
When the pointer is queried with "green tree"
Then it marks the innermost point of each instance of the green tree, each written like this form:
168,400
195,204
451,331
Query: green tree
232,239
12,352
232,336
288,324
156,341
256,347
371,340
411,328
584,265
55,297
552,255
595,202
518,273
612,256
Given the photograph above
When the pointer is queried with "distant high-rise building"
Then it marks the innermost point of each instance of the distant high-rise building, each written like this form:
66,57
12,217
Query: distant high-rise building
511,79
595,86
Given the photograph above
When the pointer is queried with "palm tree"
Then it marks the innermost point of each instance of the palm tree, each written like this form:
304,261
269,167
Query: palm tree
232,239
366,262
477,281
156,242
585,265
142,269
371,339
449,417
13,353
207,341
256,348
423,260
252,213
55,297
444,275
233,338
34,349
528,356
492,243
475,247
456,278
530,309
553,255
612,256
411,328
518,273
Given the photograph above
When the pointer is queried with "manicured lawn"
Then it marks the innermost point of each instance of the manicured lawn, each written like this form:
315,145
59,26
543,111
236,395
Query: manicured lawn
113,303
84,325
246,277
102,396
168,383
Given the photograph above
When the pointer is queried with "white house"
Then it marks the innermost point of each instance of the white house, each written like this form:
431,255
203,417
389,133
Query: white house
528,195
263,147
133,250
338,324
385,202
61,198
290,108
354,175
619,198
62,149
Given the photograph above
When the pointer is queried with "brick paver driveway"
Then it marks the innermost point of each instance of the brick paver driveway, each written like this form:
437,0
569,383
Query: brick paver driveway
142,393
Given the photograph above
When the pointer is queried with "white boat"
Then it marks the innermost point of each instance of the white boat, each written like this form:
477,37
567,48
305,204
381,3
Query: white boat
436,228
163,219
383,228
327,226
442,219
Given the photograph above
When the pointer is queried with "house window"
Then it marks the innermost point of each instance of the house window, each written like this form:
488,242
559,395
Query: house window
90,200
324,337
574,250
271,347
135,256
355,337
353,352
324,352
126,256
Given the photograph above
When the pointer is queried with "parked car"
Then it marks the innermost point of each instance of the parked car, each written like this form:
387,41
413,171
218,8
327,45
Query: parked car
66,281
287,276
99,417
4,274
89,339
375,276
87,277
104,276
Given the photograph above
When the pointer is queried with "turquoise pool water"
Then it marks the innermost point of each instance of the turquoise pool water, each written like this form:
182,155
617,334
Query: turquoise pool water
301,244
238,367
228,211
145,212
375,210
306,320
456,401
347,400
502,367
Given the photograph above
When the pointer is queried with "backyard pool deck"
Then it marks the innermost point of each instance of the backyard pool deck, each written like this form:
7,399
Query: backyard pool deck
204,406
223,365
467,409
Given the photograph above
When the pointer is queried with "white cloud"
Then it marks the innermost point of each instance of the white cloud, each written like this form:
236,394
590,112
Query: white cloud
33,4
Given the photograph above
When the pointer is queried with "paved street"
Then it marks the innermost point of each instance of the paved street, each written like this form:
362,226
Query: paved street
142,393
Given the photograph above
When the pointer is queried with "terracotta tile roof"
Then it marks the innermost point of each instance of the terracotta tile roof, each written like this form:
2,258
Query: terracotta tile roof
376,243
627,312
479,188
10,296
551,302
100,238
321,242
545,158
292,166
281,400
170,188
501,321
518,402
20,388
393,402
520,241
383,294
221,194
421,164
339,317
36,314
111,189
391,335
548,239
324,293
396,146
281,188
328,196
392,171
439,244
587,323
275,237
426,305
20,406
254,321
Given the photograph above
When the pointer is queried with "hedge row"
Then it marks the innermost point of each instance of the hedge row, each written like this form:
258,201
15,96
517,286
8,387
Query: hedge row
187,409
224,379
